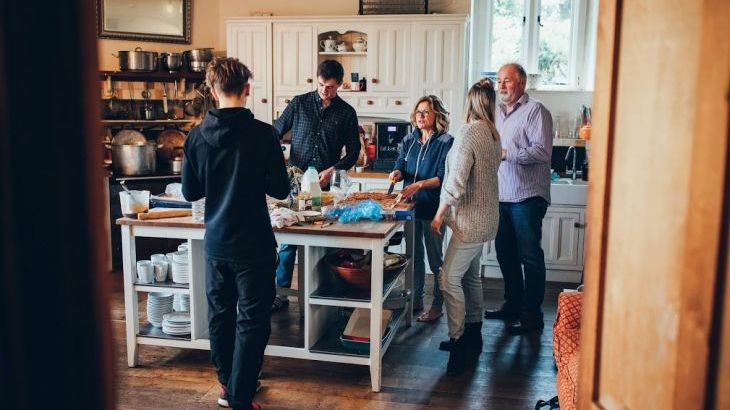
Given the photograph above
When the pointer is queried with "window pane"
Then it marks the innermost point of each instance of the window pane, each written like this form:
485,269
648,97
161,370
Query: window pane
506,32
555,41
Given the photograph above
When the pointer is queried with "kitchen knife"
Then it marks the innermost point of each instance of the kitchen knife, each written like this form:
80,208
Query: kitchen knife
392,185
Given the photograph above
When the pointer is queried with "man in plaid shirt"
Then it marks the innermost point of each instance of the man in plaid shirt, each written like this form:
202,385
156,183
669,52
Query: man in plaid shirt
321,124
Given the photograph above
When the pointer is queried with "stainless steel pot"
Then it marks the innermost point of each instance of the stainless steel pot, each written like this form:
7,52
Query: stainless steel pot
134,159
176,165
198,66
199,54
137,60
172,62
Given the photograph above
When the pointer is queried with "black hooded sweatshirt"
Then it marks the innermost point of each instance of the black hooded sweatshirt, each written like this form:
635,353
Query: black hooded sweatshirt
233,161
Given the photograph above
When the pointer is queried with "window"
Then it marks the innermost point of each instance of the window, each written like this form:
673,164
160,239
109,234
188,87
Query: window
548,37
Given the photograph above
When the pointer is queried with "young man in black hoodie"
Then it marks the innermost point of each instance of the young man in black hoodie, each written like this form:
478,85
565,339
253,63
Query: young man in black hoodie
233,161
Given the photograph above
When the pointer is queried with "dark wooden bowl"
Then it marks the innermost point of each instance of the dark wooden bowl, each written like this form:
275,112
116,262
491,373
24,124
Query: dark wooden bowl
359,277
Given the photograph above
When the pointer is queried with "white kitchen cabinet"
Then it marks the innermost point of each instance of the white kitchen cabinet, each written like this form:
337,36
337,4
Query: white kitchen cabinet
439,66
251,43
294,56
398,48
389,58
562,234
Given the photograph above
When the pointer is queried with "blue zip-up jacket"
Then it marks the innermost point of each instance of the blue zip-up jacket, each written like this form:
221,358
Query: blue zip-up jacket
430,160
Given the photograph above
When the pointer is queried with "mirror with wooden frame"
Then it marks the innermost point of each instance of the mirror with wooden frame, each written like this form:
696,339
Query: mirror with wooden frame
167,21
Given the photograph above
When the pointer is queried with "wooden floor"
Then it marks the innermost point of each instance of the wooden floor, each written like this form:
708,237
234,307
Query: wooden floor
512,372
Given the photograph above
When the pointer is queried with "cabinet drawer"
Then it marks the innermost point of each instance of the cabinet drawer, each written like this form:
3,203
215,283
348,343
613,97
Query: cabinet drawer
398,104
371,104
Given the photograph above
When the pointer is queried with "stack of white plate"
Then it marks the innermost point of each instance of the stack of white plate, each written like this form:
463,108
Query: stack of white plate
177,323
180,267
181,303
158,304
199,210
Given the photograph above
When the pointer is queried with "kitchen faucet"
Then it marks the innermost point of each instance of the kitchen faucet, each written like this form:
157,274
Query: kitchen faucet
567,154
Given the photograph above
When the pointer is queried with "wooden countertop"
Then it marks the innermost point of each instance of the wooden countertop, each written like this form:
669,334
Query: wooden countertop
362,229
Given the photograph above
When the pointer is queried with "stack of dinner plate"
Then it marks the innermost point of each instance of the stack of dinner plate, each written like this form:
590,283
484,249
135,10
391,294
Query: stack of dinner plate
181,303
180,267
176,324
158,304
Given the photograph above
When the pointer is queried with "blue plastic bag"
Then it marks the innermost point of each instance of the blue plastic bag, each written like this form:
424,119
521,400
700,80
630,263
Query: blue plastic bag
367,209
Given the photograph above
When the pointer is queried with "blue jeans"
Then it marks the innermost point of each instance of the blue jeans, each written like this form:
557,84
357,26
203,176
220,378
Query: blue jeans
434,251
239,322
518,246
287,257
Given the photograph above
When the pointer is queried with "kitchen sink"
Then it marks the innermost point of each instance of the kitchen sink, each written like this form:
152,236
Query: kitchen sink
568,181
565,191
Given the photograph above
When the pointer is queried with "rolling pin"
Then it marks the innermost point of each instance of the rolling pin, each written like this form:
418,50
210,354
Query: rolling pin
165,214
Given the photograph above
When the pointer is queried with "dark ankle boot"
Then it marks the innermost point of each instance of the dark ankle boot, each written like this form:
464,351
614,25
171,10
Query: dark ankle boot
473,336
457,358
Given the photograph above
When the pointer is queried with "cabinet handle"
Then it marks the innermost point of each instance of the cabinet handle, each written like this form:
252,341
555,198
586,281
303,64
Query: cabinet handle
369,102
374,80
264,100
309,80
397,102
287,101
579,225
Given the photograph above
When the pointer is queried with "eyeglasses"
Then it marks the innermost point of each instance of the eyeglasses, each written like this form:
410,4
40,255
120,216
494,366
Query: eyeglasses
424,113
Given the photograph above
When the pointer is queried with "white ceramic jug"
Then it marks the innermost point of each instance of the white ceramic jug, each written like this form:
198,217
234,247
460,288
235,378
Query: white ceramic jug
328,45
360,44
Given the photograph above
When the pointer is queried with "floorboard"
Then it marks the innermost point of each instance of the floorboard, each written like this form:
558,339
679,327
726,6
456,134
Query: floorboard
511,372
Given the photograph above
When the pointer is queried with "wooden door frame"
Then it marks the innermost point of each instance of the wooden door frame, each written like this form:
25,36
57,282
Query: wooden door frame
707,161
608,33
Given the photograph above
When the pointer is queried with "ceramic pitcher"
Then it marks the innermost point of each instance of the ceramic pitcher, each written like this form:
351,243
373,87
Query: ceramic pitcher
328,45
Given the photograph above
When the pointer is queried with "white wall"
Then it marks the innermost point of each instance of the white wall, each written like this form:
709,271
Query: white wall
563,104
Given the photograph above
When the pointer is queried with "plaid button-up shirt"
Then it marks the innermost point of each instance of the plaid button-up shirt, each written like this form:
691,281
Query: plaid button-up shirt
318,134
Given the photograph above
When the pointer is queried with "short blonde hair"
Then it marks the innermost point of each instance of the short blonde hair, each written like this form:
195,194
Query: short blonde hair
480,102
442,116
228,75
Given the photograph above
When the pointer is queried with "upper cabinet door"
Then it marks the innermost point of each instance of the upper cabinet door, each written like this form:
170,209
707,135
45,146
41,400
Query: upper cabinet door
250,43
294,52
388,62
439,65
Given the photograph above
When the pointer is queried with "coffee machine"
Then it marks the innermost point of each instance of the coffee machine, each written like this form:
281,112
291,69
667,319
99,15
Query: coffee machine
389,137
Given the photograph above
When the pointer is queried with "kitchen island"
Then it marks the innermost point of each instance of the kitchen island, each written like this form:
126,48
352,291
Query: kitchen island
323,300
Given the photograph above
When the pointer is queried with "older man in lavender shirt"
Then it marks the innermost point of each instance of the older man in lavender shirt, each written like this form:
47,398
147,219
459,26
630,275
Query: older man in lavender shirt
525,128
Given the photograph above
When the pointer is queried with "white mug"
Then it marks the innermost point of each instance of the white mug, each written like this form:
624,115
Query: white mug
342,47
145,272
160,271
168,256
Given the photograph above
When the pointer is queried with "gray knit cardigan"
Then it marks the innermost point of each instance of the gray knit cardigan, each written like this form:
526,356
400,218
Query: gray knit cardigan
470,183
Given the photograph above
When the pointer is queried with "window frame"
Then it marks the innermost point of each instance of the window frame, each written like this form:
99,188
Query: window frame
582,37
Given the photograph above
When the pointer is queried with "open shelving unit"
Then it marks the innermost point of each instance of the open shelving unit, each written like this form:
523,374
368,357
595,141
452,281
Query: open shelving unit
153,76
327,300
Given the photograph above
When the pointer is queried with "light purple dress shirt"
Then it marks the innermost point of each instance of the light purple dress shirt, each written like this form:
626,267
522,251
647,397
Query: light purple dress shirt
526,134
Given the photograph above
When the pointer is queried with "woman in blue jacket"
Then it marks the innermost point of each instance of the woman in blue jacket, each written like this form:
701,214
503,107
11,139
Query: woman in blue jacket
421,166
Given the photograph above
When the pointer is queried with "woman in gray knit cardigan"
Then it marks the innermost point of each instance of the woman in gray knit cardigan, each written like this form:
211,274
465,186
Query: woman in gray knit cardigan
470,207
